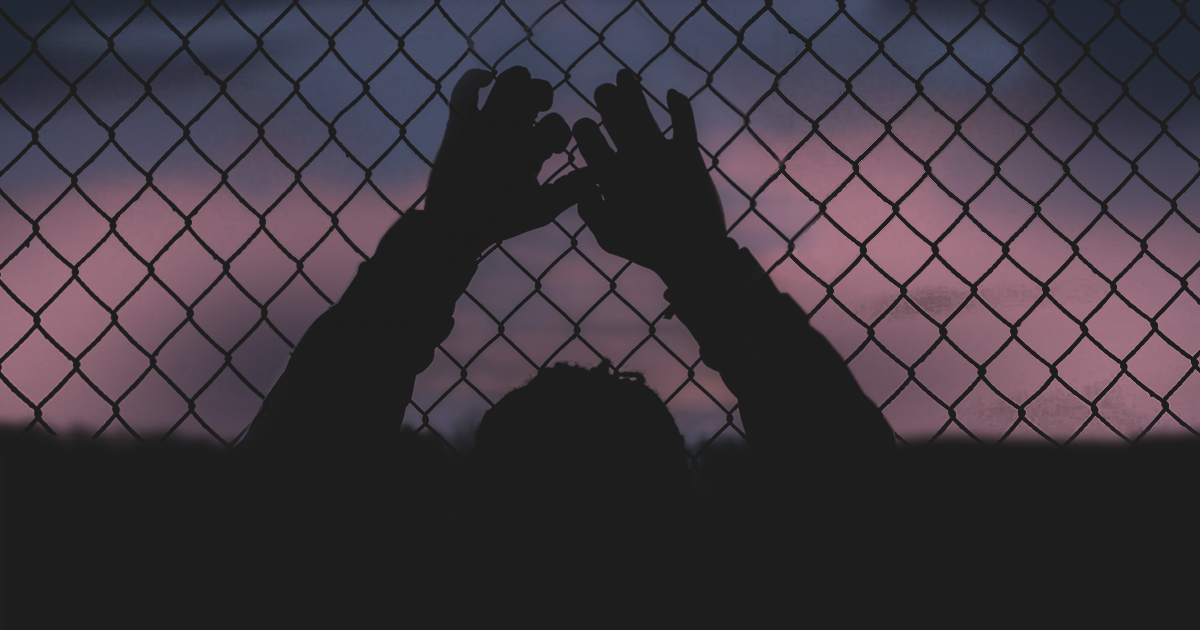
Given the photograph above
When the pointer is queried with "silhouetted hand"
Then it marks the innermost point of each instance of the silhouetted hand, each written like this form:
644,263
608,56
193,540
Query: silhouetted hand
485,178
657,205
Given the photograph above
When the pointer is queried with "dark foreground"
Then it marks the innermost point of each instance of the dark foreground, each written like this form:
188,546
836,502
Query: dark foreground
185,536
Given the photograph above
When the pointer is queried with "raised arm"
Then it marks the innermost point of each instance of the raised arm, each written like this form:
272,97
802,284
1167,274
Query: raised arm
658,207
351,376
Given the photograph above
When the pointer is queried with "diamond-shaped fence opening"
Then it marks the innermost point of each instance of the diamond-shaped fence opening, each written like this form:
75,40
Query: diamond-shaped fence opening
991,210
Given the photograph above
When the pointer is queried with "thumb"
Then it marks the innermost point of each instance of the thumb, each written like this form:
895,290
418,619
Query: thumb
567,191
464,103
594,211
550,200
598,216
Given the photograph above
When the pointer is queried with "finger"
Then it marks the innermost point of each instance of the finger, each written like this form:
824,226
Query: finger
464,100
507,100
566,191
521,98
637,112
551,135
592,210
551,200
608,103
541,95
592,145
465,97
597,215
683,119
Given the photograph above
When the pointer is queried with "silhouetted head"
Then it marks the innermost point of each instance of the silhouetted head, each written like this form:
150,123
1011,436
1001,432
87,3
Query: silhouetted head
578,437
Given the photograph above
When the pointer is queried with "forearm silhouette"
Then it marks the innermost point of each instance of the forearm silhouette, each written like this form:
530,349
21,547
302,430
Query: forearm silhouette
657,206
350,378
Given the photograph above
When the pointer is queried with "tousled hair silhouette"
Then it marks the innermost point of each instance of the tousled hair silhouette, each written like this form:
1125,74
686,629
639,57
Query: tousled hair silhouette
593,436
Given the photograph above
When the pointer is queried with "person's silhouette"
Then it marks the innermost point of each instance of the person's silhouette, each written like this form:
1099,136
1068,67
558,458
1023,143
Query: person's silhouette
570,433
574,472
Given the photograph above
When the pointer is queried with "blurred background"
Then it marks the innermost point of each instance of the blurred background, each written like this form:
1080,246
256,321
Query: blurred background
989,209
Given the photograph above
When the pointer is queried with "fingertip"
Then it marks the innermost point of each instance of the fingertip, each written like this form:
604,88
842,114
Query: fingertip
464,98
604,95
584,126
682,118
589,208
554,118
516,72
590,139
625,77
593,211
542,94
477,77
554,132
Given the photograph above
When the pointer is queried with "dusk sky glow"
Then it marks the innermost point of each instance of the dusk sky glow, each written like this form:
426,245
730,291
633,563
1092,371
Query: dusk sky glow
1123,214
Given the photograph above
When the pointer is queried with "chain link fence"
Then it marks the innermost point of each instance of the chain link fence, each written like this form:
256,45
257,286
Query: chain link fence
989,208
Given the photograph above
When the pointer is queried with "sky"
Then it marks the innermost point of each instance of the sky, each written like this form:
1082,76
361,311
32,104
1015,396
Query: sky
817,134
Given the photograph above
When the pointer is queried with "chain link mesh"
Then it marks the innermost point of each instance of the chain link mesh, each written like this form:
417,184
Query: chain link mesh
989,210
